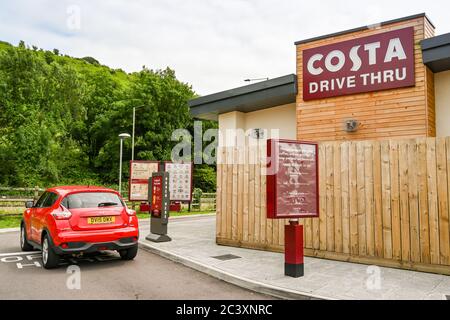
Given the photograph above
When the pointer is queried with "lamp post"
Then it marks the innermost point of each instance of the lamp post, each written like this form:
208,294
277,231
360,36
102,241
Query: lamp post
134,126
122,137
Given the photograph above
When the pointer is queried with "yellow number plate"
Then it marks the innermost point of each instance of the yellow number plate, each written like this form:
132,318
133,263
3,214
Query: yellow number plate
101,220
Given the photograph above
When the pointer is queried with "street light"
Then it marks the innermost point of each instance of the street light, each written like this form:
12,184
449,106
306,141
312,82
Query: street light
259,79
134,125
122,137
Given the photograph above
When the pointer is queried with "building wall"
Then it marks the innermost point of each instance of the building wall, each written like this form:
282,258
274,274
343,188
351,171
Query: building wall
381,203
396,113
282,118
442,90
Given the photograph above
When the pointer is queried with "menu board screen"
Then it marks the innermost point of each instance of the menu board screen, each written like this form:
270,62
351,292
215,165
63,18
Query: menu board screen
139,191
140,172
292,179
180,181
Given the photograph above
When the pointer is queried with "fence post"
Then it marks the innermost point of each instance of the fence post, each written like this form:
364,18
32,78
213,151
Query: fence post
36,193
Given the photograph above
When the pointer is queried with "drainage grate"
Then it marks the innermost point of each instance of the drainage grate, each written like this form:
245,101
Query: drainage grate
227,257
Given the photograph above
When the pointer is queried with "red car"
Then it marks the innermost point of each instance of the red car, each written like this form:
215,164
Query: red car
74,220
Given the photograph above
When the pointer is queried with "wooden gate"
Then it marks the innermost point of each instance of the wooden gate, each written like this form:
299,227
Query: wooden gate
381,202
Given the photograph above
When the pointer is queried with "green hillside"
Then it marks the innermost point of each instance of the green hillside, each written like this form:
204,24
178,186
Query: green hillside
83,65
60,117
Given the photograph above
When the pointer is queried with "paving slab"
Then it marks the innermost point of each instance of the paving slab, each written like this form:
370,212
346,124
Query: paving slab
193,244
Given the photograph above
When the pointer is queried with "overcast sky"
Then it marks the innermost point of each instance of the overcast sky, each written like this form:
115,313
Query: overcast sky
212,44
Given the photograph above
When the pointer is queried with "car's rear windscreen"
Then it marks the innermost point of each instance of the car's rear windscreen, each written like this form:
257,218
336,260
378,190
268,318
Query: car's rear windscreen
92,200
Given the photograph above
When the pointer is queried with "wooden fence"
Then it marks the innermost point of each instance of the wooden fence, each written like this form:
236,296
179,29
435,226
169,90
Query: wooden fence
207,201
381,202
12,200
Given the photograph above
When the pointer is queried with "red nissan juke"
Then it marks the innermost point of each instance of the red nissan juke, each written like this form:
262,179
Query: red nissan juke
73,220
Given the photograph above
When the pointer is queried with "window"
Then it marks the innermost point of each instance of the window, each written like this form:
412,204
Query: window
41,200
92,200
50,200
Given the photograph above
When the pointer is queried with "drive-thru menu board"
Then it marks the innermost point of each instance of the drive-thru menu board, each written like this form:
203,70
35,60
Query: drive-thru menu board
180,181
140,172
292,179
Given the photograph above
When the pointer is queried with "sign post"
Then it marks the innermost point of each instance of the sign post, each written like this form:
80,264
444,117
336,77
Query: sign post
159,199
292,193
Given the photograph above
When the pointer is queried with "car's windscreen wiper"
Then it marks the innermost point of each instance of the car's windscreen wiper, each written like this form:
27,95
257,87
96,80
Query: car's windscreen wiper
107,204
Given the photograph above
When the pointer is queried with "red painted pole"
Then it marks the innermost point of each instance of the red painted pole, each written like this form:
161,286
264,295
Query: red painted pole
293,249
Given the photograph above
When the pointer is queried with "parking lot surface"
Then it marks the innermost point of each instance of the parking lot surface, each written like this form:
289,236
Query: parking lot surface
105,276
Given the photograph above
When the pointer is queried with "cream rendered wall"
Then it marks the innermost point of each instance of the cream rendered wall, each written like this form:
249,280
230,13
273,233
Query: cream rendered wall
442,95
281,118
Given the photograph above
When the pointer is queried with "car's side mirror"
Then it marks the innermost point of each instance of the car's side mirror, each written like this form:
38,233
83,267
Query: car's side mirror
29,204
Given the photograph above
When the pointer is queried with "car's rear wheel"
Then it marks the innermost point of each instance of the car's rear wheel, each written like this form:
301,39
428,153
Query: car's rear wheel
24,245
49,258
129,254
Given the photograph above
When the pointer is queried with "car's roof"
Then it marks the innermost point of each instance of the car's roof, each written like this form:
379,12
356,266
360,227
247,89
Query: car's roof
63,190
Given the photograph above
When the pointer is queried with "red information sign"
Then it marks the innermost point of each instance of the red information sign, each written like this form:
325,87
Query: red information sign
292,179
379,62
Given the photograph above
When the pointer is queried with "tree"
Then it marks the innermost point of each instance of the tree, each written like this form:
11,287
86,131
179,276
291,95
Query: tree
60,118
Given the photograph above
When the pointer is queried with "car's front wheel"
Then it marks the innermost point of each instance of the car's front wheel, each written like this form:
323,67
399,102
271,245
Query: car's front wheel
49,258
129,254
24,245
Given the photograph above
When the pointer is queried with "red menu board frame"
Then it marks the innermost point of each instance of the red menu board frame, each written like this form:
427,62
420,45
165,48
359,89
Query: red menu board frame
276,182
139,181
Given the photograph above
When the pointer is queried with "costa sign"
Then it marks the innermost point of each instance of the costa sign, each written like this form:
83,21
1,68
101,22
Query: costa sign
379,62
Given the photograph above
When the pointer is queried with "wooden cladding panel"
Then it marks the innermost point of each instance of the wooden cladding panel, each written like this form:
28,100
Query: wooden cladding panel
383,202
396,113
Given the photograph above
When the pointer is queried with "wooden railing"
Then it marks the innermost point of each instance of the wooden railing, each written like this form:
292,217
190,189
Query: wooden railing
12,200
207,201
381,202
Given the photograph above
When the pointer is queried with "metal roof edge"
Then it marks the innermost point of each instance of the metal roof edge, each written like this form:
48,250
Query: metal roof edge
340,33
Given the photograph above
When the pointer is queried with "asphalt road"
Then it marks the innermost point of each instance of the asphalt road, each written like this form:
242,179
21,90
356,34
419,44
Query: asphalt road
105,276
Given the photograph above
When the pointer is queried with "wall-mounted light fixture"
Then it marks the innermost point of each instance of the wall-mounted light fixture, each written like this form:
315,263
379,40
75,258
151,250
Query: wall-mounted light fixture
258,133
351,125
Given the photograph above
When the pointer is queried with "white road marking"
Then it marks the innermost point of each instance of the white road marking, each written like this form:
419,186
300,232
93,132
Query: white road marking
18,253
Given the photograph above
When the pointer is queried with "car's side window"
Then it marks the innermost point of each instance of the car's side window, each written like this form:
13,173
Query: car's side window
50,200
41,200
65,202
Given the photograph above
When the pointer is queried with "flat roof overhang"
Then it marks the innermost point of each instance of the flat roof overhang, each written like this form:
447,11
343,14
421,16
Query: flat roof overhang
363,28
436,53
254,97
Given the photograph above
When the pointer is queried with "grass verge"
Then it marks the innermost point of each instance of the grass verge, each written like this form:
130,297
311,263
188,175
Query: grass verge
10,221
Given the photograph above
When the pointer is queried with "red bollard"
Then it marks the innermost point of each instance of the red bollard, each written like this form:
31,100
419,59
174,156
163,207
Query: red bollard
293,249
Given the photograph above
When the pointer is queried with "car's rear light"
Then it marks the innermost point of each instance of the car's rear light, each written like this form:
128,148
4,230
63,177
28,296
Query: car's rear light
131,212
63,214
